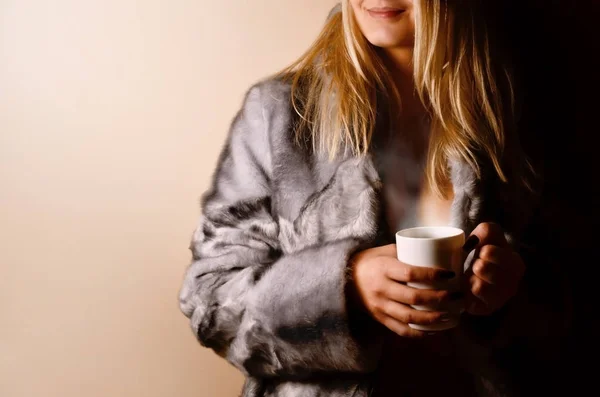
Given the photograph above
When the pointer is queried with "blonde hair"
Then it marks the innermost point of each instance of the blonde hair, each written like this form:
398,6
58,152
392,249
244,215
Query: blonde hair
336,85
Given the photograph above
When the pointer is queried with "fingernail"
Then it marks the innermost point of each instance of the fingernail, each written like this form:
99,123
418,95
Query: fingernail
446,274
471,243
456,295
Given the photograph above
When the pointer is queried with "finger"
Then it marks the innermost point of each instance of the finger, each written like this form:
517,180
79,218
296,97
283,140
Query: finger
495,254
400,328
507,259
473,305
499,266
478,308
414,296
489,272
486,233
481,289
492,296
396,270
503,279
407,314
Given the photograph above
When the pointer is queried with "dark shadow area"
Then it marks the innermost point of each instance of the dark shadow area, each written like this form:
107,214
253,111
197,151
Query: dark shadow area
557,47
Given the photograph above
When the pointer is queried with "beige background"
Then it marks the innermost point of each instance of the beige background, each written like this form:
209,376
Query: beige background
112,114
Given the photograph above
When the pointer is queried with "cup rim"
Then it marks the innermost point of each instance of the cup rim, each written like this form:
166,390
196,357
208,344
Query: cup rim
453,232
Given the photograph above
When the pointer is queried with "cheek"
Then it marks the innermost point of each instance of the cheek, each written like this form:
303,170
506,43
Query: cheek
355,4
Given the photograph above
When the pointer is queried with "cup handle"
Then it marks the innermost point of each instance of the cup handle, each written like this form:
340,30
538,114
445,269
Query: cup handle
469,258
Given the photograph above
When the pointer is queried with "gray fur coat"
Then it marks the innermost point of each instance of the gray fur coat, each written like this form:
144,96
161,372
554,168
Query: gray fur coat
266,287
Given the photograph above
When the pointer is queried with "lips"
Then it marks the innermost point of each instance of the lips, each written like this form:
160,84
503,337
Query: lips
385,12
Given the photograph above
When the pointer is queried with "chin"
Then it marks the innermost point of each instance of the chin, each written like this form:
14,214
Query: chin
385,41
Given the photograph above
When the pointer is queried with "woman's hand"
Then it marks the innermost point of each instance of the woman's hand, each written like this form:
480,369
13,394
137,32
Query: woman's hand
378,281
495,274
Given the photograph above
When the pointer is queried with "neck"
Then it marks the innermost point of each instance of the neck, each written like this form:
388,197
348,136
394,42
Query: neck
400,64
399,61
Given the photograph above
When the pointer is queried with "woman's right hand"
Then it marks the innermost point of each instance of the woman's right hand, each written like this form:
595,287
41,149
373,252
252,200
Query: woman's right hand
379,286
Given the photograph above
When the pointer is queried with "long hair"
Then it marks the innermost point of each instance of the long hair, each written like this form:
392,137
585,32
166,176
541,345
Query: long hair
464,82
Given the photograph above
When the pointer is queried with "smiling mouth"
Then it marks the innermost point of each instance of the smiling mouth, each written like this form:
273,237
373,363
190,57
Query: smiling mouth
385,12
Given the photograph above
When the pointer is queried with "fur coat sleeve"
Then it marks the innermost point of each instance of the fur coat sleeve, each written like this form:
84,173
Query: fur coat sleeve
269,310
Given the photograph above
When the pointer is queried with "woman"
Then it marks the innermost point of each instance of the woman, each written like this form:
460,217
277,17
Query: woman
402,113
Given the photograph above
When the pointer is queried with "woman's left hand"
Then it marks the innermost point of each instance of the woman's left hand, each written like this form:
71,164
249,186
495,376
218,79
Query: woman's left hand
496,273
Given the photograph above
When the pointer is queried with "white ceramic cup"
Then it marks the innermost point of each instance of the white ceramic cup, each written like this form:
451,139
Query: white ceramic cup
439,247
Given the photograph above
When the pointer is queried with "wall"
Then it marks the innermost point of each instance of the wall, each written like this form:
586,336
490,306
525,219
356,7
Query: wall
112,114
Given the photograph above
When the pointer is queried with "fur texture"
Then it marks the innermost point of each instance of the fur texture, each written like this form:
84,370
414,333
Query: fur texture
266,288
